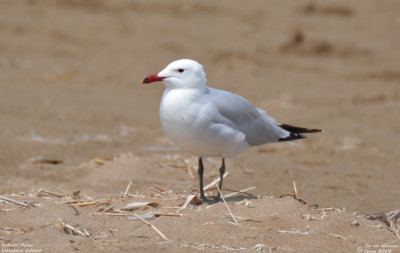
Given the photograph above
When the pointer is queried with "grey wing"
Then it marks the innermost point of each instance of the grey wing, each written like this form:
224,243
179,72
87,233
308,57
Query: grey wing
239,114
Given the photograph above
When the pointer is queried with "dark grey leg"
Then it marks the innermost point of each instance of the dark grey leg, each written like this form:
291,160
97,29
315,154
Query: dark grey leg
221,177
201,171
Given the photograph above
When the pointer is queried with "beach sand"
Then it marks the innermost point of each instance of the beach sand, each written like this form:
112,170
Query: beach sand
76,121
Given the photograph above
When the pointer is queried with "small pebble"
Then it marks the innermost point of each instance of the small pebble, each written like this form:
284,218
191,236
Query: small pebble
355,223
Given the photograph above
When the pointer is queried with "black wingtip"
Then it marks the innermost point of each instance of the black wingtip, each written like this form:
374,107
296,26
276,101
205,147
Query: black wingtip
296,132
299,130
293,137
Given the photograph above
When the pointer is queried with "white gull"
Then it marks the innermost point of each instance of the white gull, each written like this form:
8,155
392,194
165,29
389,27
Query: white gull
207,122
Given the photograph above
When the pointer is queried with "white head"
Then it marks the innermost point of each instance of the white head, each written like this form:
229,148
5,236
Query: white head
180,74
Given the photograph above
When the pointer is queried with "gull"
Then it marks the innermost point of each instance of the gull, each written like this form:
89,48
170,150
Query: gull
208,122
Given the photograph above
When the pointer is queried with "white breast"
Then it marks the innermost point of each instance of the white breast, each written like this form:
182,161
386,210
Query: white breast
189,120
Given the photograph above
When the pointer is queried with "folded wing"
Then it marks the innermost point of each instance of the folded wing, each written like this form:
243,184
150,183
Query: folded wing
258,127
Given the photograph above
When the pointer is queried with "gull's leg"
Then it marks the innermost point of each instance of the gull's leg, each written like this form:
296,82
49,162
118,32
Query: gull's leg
201,171
221,177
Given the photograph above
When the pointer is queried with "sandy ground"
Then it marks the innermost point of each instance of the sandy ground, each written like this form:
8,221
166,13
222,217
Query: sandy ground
74,117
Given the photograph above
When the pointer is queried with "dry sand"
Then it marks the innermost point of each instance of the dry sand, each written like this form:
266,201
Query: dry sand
75,118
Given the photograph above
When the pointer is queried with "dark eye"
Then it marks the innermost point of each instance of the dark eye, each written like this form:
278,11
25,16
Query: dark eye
181,70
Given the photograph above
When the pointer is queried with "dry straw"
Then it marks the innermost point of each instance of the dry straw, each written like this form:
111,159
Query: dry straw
151,225
16,202
227,207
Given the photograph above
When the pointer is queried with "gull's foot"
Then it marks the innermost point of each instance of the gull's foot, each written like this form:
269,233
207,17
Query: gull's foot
205,200
210,201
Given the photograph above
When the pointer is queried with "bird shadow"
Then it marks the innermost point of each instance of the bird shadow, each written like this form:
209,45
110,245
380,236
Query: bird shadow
234,199
239,198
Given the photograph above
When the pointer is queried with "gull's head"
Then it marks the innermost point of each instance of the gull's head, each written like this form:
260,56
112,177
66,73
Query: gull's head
180,74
